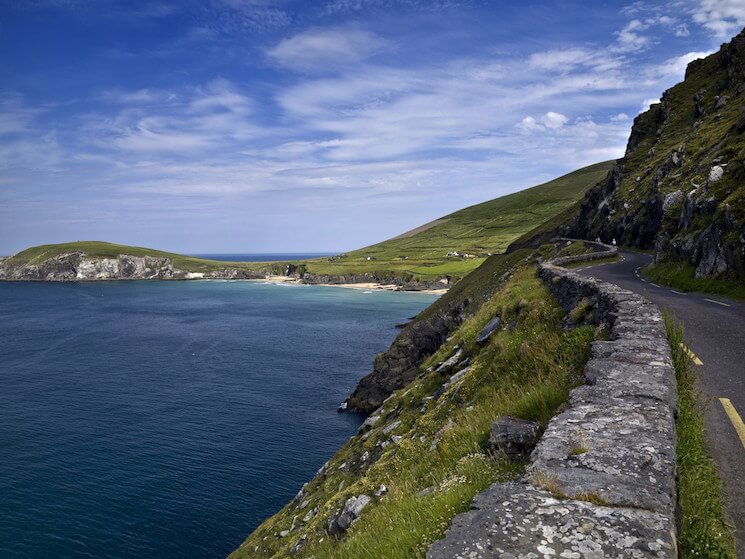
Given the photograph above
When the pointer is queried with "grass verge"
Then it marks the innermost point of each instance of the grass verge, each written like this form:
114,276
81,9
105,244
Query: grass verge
592,263
681,275
703,529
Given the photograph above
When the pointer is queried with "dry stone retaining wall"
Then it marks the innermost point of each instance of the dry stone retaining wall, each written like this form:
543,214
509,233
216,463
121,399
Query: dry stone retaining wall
601,482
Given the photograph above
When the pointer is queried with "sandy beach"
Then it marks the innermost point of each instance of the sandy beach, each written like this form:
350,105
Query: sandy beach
364,286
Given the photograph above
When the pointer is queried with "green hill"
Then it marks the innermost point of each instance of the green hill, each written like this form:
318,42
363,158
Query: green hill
100,249
476,231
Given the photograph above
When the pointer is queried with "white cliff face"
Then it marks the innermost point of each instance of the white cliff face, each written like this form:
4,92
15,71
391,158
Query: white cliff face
77,266
106,268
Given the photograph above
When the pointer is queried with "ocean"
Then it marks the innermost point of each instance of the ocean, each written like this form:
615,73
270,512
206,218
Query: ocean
168,419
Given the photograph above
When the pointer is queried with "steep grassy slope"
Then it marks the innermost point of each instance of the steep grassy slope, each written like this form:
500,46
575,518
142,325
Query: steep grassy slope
421,457
680,188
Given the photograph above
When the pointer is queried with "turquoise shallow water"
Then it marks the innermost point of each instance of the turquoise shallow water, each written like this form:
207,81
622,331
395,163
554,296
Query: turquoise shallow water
167,419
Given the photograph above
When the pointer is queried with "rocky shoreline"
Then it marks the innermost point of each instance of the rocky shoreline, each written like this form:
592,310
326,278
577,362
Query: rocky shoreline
79,267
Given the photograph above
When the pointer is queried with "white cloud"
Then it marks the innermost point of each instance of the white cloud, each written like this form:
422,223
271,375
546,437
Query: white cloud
629,39
647,103
206,118
568,59
326,49
554,120
722,18
551,120
135,97
529,124
560,59
674,67
620,117
16,116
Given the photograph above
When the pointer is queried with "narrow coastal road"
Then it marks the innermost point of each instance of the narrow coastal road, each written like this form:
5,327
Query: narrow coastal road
715,329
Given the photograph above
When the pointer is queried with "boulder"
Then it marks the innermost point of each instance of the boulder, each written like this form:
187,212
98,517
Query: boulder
342,520
672,201
513,437
447,365
716,173
491,327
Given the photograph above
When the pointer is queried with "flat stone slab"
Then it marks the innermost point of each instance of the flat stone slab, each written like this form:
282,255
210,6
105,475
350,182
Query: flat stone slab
633,351
655,380
517,521
618,450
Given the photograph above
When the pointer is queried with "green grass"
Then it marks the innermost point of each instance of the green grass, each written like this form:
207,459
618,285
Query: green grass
703,530
573,248
681,275
590,263
440,463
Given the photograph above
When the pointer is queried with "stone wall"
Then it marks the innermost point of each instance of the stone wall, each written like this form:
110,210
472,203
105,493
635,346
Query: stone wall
602,480
603,251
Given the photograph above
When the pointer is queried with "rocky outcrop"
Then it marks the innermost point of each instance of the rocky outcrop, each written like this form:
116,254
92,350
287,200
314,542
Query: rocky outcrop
343,519
77,266
398,366
512,437
601,481
680,187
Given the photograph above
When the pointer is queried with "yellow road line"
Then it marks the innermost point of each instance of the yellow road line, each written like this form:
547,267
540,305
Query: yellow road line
735,418
690,354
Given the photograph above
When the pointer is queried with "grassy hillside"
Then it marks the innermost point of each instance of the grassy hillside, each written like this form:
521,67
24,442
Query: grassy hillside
478,231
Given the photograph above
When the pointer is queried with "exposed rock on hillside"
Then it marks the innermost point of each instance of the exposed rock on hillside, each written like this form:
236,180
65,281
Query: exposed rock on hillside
680,187
398,366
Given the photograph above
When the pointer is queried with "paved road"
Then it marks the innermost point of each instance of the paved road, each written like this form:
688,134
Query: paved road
715,328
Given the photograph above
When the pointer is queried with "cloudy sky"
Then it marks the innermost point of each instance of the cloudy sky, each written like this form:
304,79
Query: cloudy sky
264,126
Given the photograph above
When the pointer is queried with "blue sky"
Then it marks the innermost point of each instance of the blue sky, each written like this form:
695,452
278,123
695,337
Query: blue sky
262,126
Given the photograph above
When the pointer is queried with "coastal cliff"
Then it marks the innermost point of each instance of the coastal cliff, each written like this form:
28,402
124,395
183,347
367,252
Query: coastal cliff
399,365
77,266
425,451
680,187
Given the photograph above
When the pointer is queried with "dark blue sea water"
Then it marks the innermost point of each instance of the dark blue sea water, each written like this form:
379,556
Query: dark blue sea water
263,256
167,419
